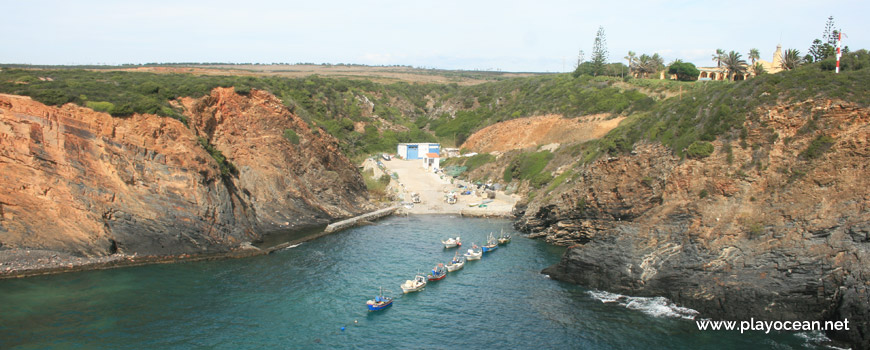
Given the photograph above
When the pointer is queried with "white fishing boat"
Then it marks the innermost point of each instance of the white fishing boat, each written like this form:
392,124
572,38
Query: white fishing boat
452,242
456,264
474,253
415,285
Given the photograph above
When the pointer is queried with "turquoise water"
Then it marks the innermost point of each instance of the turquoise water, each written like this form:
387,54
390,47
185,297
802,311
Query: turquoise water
300,298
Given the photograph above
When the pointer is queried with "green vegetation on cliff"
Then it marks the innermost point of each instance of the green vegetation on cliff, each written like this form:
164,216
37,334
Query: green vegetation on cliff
719,110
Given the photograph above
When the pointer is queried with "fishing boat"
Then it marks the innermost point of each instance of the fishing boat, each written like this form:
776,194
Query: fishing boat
380,302
415,285
504,238
474,253
438,273
491,244
451,242
456,264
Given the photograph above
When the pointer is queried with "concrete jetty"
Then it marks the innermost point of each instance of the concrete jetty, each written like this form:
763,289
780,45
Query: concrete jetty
347,223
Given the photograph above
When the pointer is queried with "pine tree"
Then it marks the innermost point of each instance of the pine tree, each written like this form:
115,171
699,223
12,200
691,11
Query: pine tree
599,52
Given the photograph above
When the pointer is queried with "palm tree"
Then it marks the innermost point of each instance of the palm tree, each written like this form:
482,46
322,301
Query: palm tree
734,64
718,57
791,59
758,69
643,65
657,63
753,55
632,60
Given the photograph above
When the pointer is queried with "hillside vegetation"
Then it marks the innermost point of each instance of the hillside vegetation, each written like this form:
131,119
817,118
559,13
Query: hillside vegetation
366,117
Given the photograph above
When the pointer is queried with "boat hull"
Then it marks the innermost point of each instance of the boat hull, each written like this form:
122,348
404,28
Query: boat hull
373,307
455,267
489,248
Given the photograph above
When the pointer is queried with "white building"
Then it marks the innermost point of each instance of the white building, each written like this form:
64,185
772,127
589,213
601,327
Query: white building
431,161
417,150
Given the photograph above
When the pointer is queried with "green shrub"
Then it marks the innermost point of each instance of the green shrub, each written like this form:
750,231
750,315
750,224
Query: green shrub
101,106
755,229
559,180
699,149
703,194
540,180
291,136
224,165
478,160
818,147
527,165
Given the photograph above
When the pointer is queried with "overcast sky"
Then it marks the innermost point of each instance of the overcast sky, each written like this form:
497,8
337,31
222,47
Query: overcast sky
538,36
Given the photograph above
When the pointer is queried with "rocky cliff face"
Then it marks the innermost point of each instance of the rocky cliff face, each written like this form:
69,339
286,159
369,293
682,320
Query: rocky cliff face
74,180
772,231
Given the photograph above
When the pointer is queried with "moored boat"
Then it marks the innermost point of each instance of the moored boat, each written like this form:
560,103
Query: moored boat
457,263
452,242
380,302
474,253
504,238
491,244
415,285
438,273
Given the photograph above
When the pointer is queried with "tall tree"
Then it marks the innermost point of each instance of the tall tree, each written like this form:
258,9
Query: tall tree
753,55
657,63
599,52
826,46
632,60
718,57
734,64
791,59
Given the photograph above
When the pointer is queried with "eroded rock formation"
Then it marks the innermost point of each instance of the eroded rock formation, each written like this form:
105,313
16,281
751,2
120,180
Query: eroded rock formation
79,181
770,232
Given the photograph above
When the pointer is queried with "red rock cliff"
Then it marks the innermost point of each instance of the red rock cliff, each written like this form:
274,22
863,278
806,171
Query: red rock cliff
79,181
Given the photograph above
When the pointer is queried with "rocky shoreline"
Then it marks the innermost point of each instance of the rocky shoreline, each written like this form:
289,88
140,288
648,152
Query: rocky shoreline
761,232
18,263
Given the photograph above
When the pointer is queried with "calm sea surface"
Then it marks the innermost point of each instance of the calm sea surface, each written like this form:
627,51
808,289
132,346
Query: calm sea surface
300,298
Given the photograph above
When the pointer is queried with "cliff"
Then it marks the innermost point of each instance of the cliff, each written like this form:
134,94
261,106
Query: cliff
81,182
778,229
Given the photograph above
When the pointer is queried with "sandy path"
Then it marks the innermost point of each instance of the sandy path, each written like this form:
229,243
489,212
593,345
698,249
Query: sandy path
434,187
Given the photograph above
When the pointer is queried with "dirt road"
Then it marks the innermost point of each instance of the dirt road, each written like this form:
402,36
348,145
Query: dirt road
434,187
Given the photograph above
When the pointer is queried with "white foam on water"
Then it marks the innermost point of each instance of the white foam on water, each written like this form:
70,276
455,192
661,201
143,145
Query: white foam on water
815,338
653,306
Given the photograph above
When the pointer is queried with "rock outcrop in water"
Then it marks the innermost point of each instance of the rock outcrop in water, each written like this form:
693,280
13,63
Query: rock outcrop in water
77,181
778,230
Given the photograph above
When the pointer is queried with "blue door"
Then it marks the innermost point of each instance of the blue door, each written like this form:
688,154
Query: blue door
434,148
412,152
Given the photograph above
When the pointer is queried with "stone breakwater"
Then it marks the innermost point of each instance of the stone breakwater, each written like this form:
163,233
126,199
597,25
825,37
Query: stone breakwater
81,183
764,231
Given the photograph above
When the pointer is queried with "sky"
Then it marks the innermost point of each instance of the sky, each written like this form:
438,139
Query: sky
516,36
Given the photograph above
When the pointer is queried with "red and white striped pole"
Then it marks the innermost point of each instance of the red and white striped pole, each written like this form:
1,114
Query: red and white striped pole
839,43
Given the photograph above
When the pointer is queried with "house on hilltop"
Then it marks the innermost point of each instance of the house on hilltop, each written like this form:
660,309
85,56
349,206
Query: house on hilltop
720,73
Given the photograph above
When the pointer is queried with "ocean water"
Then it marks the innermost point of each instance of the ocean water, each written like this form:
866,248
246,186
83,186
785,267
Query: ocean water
312,296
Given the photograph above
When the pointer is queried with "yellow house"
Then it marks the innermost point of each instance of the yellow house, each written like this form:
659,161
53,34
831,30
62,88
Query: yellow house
720,73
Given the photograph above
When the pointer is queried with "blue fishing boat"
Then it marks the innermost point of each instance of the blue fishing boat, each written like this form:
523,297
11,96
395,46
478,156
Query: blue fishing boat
491,244
380,302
